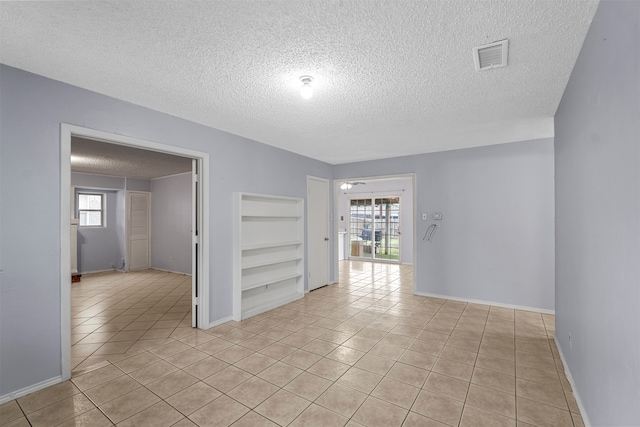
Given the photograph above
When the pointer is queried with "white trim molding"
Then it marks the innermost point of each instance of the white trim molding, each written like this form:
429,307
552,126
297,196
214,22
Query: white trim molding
66,132
497,304
30,389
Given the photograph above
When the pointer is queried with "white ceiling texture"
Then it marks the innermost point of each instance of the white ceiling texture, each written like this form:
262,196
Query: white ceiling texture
391,78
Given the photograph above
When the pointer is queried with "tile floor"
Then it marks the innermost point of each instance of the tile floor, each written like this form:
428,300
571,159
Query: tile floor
362,352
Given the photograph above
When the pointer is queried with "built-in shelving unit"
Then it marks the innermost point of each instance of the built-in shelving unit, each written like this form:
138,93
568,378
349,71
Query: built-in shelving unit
268,253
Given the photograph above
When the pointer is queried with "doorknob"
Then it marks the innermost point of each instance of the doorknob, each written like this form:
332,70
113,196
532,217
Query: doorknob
326,239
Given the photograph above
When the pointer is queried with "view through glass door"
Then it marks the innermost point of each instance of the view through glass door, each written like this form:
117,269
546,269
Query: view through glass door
374,230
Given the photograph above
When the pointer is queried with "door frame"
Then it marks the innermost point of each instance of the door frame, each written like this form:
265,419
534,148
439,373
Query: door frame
373,198
336,213
66,132
329,234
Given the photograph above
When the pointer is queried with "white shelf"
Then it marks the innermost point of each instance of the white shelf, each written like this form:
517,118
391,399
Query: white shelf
270,281
247,266
270,245
268,253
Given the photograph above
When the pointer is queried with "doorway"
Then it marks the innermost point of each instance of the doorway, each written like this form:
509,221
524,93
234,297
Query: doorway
200,215
374,228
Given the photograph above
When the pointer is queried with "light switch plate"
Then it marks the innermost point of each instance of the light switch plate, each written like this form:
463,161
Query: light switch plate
437,216
424,216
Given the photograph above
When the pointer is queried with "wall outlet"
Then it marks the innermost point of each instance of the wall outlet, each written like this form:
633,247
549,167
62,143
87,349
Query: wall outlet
424,216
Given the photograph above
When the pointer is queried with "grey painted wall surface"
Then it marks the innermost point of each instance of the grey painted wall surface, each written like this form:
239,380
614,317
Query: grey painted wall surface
171,223
394,187
31,111
137,184
495,241
101,247
597,129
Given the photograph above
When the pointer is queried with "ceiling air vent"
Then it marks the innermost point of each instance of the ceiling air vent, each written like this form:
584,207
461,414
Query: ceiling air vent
492,55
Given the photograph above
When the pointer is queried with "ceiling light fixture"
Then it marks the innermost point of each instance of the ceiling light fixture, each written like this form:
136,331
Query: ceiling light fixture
306,91
345,186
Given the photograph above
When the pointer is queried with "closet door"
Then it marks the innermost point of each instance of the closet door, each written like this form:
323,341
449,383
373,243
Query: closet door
138,227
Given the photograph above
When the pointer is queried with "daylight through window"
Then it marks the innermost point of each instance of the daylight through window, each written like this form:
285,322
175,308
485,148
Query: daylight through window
91,209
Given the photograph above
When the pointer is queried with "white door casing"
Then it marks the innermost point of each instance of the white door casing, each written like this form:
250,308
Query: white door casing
317,232
138,230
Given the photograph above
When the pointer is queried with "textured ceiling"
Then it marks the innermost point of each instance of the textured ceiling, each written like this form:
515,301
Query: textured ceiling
390,77
101,158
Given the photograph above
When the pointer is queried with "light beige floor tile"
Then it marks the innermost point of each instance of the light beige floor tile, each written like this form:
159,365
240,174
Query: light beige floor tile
152,372
553,396
447,386
375,412
253,419
60,411
320,347
540,376
221,412
283,407
342,400
438,407
111,390
171,384
416,420
475,417
418,359
255,363
301,359
193,398
492,401
45,397
494,380
453,369
227,379
329,369
158,415
496,364
360,380
396,392
10,411
206,367
96,377
280,374
308,386
253,392
459,355
542,415
137,361
169,349
91,418
317,416
129,404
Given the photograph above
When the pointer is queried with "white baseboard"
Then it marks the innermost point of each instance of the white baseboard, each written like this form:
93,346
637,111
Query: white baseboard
497,304
567,372
100,271
220,322
31,389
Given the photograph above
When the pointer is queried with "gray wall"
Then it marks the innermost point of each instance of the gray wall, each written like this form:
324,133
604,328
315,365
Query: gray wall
392,187
171,223
598,218
101,247
495,241
31,111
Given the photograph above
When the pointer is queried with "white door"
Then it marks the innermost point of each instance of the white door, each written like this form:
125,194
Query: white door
318,231
138,227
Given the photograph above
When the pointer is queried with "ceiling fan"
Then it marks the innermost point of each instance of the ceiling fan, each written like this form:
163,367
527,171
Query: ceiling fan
348,185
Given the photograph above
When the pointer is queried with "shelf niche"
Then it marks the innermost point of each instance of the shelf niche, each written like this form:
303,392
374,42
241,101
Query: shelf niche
268,253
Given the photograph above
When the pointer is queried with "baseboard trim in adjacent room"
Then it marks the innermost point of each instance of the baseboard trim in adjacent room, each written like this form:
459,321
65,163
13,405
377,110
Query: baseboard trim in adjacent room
497,304
220,321
30,389
171,271
567,372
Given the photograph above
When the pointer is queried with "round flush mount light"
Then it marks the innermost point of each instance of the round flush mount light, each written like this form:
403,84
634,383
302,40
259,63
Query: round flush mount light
306,91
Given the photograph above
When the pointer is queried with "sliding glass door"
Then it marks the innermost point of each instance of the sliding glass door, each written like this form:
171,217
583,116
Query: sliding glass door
374,228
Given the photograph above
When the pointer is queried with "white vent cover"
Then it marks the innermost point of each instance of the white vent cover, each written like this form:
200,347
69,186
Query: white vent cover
492,55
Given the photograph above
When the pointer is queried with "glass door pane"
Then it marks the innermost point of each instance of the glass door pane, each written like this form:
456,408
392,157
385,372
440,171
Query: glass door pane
360,228
387,228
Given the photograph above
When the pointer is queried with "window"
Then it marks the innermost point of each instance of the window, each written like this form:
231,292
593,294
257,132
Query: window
91,209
